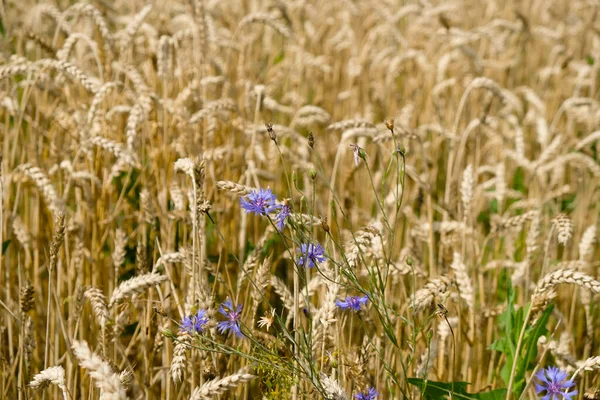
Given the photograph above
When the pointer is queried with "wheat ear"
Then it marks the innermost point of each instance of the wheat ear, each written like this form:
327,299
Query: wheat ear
135,285
103,375
218,386
591,364
52,375
98,302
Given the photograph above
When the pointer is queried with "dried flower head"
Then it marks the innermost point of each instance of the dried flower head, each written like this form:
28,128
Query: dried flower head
271,132
324,224
358,153
311,140
390,124
267,319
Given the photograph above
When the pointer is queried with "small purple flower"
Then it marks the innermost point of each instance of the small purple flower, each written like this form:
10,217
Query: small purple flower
311,254
195,323
370,394
233,318
554,382
353,303
260,202
280,218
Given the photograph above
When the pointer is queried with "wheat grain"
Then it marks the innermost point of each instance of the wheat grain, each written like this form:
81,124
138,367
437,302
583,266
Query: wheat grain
126,35
590,364
54,203
332,389
261,280
435,288
463,281
21,232
98,302
570,276
586,244
103,375
53,375
94,13
282,290
267,19
466,189
117,149
563,227
63,53
236,188
134,286
179,357
119,252
212,108
218,386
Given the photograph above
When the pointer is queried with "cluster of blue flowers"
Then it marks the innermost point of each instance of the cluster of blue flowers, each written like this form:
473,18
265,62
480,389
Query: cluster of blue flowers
197,323
263,202
553,383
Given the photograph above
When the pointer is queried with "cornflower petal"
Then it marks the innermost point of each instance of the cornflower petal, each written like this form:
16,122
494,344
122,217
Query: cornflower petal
554,383
311,254
233,315
260,202
353,303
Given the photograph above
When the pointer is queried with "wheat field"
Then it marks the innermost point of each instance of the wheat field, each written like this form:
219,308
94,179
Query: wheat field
300,199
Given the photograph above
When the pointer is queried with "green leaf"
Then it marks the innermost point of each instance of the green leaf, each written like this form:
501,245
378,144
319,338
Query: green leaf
519,180
590,60
279,58
527,362
511,321
433,390
5,245
2,31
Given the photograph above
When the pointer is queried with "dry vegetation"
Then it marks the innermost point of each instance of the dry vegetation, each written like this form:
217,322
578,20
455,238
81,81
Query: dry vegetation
442,153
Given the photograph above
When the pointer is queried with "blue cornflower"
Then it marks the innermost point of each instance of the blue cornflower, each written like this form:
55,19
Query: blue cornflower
280,218
311,254
554,382
194,323
370,394
233,316
260,202
353,303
